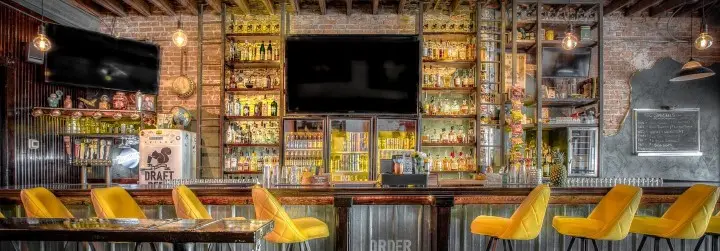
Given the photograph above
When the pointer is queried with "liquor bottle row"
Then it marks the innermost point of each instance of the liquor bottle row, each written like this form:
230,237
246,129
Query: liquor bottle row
356,162
252,132
393,143
303,140
257,105
350,142
434,77
452,161
449,50
255,78
439,105
453,134
250,161
94,126
389,153
254,51
304,158
252,26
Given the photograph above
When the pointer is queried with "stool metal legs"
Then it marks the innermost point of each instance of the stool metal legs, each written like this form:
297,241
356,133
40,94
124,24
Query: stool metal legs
656,241
713,242
492,244
583,243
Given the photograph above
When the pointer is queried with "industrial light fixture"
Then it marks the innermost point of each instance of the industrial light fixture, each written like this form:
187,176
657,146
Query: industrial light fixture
179,38
704,40
692,70
41,42
570,41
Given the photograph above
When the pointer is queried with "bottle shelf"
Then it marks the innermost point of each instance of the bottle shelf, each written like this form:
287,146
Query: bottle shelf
526,45
308,149
398,150
100,135
454,171
429,144
253,64
548,126
439,33
524,22
361,152
241,172
233,117
450,89
571,102
250,145
451,63
252,90
253,36
468,116
76,112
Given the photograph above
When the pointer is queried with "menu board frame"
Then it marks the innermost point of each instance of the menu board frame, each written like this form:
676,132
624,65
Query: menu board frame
665,153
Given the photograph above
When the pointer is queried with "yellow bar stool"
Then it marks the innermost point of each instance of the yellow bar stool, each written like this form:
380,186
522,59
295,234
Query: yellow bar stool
286,230
713,230
41,203
524,224
610,220
115,202
687,218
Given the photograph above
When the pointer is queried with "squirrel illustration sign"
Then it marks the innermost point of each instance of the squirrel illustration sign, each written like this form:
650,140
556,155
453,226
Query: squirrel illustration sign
158,168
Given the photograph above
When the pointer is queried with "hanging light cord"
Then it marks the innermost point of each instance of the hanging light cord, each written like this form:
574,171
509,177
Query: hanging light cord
675,39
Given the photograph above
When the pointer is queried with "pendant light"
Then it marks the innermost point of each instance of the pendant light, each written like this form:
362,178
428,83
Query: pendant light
41,42
704,40
692,70
179,38
570,41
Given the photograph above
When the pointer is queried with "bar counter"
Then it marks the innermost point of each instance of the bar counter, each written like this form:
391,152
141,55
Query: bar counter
434,218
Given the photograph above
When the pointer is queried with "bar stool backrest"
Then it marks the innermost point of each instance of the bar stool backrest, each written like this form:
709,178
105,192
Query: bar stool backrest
692,211
41,203
527,220
187,205
115,202
268,208
616,211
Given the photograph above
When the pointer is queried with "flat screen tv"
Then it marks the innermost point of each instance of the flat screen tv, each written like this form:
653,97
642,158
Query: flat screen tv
352,74
90,59
557,62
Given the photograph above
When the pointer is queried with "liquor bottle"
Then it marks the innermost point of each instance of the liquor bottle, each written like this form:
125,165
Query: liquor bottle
453,161
268,80
257,52
246,109
258,108
245,52
441,51
273,108
262,50
451,135
270,54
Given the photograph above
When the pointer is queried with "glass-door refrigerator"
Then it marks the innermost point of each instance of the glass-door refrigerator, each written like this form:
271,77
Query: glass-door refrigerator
349,150
394,137
304,144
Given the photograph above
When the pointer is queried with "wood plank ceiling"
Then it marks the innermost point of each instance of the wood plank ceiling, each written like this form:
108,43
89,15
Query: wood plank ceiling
122,8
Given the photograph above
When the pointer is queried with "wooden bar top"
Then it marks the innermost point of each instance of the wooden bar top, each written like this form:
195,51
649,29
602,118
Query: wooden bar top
231,194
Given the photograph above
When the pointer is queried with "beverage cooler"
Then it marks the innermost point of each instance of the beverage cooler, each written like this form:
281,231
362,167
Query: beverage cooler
349,149
304,143
394,137
582,151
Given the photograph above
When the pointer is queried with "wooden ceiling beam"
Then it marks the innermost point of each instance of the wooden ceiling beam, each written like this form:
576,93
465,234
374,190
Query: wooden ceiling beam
641,6
375,6
243,5
190,5
454,4
687,10
348,7
215,5
668,5
268,6
614,5
164,5
87,6
401,6
323,7
113,6
140,6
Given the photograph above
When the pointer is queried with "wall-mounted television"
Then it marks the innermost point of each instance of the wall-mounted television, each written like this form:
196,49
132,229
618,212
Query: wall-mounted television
353,74
557,62
90,59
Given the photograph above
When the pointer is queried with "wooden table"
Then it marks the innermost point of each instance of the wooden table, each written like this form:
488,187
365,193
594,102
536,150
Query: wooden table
181,233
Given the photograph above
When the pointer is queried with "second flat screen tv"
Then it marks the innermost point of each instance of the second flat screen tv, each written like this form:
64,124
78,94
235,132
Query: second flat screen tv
352,74
557,62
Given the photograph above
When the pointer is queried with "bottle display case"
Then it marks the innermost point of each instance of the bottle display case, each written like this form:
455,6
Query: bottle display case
395,137
349,150
304,143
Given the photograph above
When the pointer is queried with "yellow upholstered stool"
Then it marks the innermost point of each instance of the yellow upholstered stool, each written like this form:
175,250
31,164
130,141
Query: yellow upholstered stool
115,202
687,218
41,203
713,230
286,230
610,220
188,206
524,224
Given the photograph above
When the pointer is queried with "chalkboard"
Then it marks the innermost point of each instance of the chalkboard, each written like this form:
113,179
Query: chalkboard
667,132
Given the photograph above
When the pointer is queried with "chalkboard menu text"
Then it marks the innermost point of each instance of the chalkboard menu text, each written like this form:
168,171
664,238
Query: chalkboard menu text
667,132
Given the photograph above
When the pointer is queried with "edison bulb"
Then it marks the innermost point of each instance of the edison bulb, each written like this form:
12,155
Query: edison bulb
42,43
570,41
179,38
703,41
